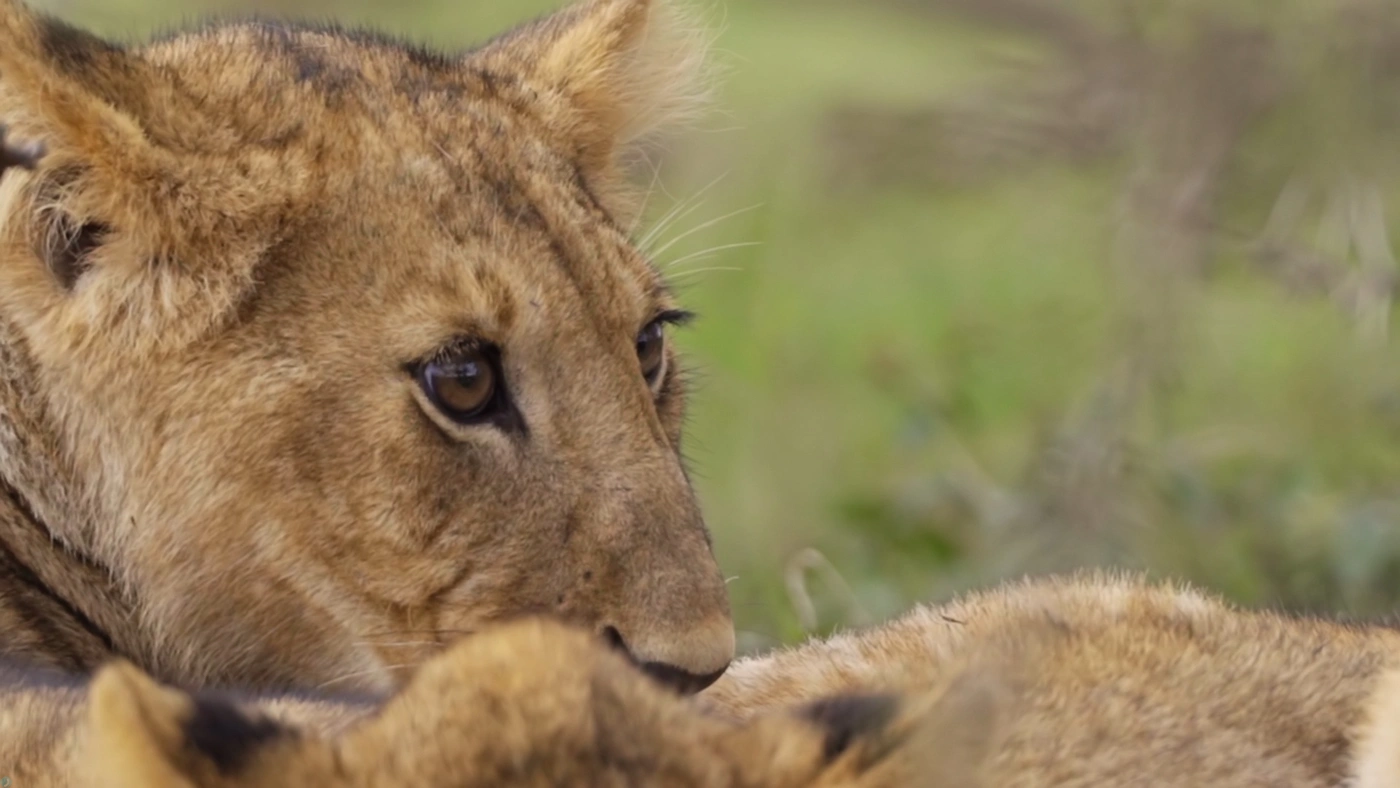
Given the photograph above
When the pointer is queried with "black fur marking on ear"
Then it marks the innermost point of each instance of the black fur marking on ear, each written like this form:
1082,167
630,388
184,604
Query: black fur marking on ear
848,717
220,732
67,248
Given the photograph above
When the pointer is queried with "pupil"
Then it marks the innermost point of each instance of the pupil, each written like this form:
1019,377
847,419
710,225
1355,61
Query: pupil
460,384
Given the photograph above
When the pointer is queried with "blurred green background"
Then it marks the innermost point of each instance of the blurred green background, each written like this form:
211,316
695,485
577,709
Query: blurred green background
1001,286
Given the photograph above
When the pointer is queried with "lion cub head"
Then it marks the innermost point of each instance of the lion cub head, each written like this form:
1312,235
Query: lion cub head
530,703
346,344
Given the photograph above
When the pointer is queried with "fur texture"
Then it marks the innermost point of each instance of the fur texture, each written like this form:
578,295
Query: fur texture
1111,680
218,465
225,258
526,704
1377,754
1078,681
216,460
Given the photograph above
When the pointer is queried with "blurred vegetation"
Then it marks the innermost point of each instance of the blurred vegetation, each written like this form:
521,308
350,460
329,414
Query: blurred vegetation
1002,286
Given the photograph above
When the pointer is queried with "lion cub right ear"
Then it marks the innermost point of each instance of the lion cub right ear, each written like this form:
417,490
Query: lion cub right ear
941,739
608,75
956,735
142,735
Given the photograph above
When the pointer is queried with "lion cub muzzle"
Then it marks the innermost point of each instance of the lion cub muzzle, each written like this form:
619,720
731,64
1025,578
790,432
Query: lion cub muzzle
664,603
687,664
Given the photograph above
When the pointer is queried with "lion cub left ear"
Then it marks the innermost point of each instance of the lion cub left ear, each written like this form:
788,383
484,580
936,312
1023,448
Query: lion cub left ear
608,73
935,739
142,735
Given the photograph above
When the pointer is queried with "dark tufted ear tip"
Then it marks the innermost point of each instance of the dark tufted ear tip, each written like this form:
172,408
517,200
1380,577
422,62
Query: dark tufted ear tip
24,155
221,732
847,718
141,734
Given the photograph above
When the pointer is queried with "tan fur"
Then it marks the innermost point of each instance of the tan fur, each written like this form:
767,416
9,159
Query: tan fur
1080,681
212,450
1377,754
527,704
1109,680
215,465
215,460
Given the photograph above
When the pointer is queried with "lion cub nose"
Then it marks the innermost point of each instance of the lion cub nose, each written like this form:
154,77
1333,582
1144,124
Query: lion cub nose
687,663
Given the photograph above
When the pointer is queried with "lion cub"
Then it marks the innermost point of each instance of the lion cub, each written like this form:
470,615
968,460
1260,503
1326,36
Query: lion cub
1082,681
532,703
1109,680
319,349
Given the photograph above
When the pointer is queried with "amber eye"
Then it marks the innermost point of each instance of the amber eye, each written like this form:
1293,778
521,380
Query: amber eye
461,383
651,351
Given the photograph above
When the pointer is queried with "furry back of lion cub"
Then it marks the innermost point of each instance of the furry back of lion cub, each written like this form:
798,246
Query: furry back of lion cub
1077,681
1111,680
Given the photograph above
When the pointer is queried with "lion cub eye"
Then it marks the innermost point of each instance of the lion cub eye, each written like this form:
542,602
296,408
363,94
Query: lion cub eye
461,383
651,351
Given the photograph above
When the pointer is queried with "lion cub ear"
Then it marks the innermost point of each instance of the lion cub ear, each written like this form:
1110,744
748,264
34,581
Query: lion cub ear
142,735
609,73
119,193
936,739
955,735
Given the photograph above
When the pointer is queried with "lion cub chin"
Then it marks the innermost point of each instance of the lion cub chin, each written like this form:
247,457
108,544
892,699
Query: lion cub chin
529,703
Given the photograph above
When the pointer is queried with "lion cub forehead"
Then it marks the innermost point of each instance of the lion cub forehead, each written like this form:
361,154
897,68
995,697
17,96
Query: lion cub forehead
272,86
298,162
315,51
452,162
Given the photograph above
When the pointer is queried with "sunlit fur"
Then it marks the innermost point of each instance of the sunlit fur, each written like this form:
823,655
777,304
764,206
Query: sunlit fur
527,704
1104,679
1376,759
1086,680
214,460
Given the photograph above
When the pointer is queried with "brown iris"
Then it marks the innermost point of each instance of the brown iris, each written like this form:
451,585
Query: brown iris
651,351
462,384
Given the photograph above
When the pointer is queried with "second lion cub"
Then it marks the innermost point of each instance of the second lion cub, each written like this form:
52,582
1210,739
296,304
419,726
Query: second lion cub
1109,680
1082,681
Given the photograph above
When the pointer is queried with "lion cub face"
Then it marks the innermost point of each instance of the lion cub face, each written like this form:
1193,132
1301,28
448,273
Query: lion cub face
348,342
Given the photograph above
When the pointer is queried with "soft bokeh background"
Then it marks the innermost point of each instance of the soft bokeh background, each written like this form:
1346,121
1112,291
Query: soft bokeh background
998,286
